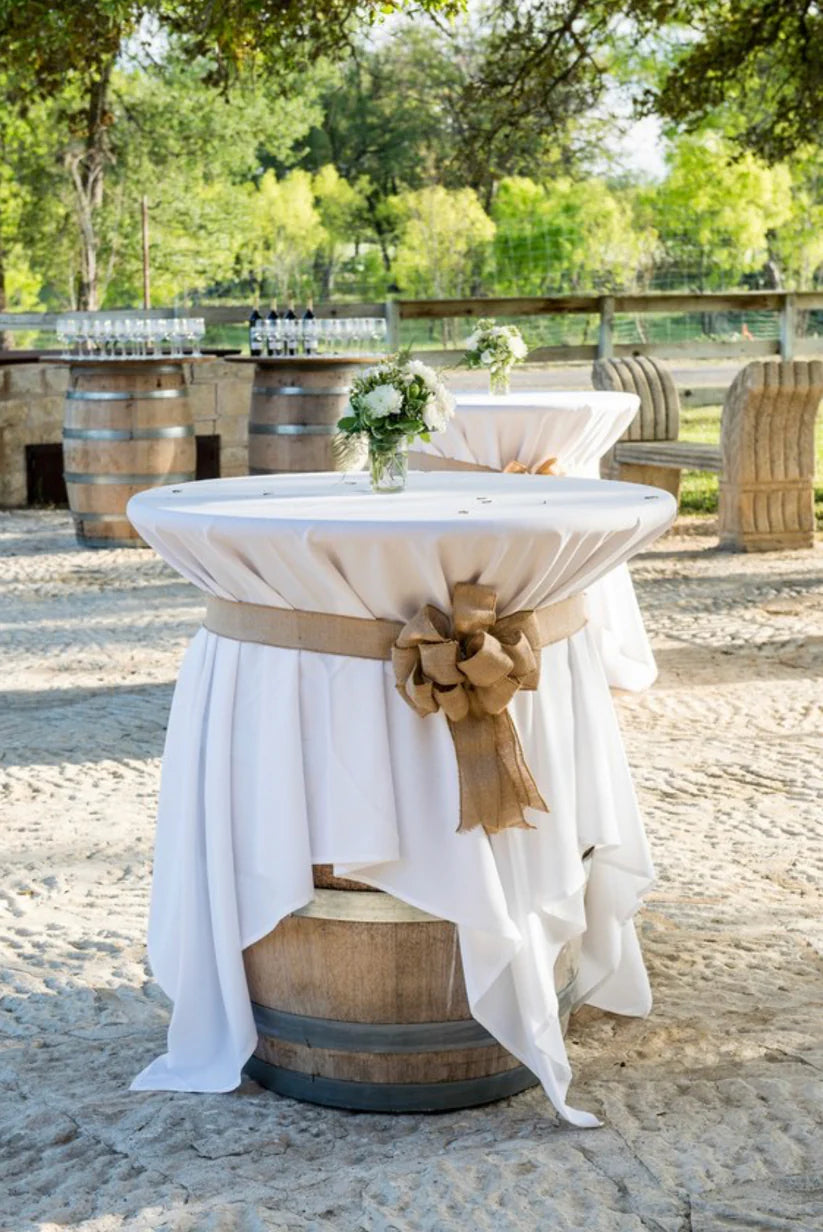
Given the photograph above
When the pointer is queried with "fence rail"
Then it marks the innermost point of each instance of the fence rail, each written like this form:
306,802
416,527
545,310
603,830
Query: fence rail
787,305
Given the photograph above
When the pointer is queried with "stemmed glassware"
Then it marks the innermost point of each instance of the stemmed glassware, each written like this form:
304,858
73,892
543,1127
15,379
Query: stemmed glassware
346,336
95,337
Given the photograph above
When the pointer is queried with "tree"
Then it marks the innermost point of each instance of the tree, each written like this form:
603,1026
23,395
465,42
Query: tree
797,245
567,235
508,91
30,213
287,233
341,207
444,236
716,212
59,47
758,63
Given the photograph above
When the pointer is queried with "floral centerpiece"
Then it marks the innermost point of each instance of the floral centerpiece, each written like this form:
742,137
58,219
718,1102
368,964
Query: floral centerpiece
389,405
497,348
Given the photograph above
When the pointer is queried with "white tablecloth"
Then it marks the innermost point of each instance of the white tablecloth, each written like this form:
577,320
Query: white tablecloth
276,759
577,428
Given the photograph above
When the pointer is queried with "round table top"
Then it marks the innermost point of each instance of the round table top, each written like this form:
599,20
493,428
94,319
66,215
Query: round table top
326,542
538,401
125,361
303,361
576,427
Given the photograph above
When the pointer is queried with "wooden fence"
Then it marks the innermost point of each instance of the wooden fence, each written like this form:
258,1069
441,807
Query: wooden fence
790,307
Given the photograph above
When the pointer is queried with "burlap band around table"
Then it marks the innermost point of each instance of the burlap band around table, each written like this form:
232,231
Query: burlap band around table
358,637
468,665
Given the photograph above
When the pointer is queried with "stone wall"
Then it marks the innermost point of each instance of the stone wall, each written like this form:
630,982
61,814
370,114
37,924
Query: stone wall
31,413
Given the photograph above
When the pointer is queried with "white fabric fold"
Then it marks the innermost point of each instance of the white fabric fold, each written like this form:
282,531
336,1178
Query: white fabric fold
270,766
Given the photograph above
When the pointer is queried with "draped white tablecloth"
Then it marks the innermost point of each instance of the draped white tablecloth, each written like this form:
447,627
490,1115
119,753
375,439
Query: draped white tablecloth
277,759
576,427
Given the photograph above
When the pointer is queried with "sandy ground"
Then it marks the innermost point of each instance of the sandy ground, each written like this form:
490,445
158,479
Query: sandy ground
713,1106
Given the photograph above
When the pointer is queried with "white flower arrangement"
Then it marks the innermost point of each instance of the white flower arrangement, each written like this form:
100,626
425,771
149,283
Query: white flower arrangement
496,347
393,403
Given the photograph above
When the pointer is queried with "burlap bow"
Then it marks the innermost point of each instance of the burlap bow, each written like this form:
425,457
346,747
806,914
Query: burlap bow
470,668
549,466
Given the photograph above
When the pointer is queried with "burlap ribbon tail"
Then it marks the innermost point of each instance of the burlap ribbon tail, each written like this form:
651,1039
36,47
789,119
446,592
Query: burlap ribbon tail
469,666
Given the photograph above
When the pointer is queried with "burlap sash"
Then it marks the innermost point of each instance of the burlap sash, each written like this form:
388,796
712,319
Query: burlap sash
468,665
433,462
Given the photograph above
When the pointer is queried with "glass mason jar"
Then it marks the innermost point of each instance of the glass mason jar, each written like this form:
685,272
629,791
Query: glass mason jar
499,380
388,465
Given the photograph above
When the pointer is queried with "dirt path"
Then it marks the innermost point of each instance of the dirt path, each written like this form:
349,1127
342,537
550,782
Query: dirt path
713,1106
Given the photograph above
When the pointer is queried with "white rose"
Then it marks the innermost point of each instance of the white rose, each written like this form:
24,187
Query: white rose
472,341
383,400
434,417
445,402
427,375
487,358
518,348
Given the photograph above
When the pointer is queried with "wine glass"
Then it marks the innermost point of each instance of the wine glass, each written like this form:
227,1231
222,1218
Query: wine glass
122,335
337,336
63,332
141,334
378,332
353,327
321,336
97,339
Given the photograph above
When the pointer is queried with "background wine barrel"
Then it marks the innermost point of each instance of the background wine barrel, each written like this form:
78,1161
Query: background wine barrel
128,426
360,1003
295,406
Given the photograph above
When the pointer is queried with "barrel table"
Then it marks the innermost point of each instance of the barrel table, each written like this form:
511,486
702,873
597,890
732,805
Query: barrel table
281,757
296,402
360,1002
128,426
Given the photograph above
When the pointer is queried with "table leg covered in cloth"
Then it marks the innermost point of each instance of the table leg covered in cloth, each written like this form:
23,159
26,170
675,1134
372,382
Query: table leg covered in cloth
277,759
574,429
240,827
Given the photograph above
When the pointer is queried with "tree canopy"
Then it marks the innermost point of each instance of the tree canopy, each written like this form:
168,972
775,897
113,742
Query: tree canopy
757,63
287,150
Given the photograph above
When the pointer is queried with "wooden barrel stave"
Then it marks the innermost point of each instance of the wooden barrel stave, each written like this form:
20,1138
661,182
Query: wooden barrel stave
360,1002
127,427
294,412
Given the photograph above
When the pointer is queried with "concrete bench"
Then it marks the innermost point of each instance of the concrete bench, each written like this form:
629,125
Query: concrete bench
679,455
766,455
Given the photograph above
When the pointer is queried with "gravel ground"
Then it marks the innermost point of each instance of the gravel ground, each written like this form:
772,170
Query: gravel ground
712,1106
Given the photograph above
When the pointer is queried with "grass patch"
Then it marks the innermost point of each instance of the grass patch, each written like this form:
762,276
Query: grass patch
698,489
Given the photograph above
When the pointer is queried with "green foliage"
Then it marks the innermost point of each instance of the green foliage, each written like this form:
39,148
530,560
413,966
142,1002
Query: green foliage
718,210
444,237
758,64
590,238
285,233
29,213
442,159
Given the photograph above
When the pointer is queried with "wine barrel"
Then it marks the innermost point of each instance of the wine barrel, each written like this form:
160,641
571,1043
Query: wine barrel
128,426
295,406
360,1003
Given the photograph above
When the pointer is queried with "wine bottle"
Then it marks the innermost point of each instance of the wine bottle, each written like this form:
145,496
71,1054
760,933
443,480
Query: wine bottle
309,330
290,319
255,333
272,331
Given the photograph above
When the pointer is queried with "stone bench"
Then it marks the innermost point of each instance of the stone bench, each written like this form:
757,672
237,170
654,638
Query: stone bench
766,455
679,455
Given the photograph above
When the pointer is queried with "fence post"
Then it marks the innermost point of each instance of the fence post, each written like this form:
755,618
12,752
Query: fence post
788,326
392,324
605,340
